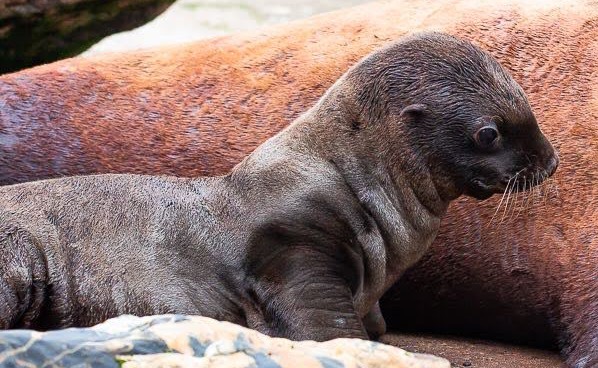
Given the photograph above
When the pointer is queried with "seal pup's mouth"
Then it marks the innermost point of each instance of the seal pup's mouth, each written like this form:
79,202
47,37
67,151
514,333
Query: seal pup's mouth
526,178
521,182
484,190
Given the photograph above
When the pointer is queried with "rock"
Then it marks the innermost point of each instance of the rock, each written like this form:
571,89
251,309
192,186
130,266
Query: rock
191,341
191,20
38,31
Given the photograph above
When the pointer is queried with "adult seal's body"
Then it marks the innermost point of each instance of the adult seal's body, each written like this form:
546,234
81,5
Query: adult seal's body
305,235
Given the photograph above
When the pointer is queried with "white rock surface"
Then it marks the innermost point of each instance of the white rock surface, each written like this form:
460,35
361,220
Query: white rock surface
190,20
191,341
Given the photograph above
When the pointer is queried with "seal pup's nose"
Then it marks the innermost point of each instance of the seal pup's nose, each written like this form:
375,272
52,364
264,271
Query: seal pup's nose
553,163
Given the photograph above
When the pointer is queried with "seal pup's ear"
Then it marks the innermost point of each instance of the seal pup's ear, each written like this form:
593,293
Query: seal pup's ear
413,112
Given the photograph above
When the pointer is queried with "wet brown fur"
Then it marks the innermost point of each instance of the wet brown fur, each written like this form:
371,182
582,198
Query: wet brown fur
197,109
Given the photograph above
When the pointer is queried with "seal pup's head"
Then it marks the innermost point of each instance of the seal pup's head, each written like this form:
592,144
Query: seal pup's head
447,107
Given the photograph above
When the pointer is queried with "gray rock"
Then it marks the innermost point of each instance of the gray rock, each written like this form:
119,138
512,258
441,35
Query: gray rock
191,341
38,31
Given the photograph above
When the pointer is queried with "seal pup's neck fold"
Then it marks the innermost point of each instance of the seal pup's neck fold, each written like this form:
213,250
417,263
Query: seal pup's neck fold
389,181
336,130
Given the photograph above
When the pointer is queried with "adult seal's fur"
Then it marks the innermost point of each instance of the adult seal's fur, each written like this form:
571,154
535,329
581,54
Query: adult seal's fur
305,235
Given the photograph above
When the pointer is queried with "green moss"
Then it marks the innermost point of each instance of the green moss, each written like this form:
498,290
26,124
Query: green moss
120,361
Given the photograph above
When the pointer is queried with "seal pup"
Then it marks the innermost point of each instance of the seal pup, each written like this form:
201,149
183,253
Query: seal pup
304,236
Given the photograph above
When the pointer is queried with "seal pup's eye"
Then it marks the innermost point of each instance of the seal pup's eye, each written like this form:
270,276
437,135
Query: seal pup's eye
486,137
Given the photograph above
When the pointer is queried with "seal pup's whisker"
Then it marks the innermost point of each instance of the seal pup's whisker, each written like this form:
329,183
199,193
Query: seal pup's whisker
501,200
538,183
515,190
540,186
508,197
512,203
534,189
524,195
530,193
531,190
516,193
547,184
555,187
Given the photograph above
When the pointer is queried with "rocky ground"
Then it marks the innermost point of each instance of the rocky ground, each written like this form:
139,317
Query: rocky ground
34,32
185,341
191,341
462,352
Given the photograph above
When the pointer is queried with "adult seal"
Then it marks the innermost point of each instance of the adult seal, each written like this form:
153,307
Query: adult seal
305,235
